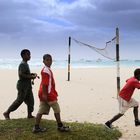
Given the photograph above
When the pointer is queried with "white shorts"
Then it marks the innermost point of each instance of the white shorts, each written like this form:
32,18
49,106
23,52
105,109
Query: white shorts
124,105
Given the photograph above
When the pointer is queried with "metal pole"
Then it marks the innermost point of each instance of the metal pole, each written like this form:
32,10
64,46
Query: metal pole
117,60
69,59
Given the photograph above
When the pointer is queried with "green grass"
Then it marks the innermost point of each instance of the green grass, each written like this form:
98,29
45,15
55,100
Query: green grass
21,129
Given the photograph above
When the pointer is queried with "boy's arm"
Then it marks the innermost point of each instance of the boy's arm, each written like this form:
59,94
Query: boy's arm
44,91
137,84
23,72
45,83
28,76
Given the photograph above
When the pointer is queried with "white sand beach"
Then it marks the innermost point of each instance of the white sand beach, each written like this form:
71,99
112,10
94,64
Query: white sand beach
90,96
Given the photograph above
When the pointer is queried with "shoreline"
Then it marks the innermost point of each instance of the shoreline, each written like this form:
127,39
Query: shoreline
73,67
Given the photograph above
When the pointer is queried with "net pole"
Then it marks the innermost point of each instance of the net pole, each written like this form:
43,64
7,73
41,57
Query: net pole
118,61
69,48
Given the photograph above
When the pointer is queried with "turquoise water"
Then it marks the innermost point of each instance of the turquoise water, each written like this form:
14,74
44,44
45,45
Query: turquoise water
82,63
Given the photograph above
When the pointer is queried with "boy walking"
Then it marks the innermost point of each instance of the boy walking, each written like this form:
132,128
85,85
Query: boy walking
48,97
24,87
126,101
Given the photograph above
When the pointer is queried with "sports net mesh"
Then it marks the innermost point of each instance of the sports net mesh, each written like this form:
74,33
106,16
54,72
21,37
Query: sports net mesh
109,51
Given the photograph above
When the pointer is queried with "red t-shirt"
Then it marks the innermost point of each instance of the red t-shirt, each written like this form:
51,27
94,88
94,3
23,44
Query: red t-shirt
47,80
128,90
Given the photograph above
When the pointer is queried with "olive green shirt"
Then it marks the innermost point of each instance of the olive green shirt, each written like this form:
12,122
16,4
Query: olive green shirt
24,69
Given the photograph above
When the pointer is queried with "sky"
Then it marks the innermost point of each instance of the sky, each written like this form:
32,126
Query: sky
44,26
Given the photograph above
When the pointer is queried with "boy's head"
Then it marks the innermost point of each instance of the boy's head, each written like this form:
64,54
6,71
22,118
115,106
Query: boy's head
47,60
25,54
137,74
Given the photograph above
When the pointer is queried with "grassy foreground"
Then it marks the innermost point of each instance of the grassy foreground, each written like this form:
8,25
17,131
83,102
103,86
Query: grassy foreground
21,129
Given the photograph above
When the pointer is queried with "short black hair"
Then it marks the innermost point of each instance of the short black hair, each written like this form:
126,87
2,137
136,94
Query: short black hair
24,51
46,56
137,72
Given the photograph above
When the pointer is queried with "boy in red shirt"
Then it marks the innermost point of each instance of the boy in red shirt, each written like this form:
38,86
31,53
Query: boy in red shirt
48,97
125,100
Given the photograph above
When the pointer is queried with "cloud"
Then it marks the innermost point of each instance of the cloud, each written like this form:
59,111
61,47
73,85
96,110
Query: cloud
41,22
24,16
106,14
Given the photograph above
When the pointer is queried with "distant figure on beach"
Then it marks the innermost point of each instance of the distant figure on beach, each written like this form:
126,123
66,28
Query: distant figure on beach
48,97
24,87
126,101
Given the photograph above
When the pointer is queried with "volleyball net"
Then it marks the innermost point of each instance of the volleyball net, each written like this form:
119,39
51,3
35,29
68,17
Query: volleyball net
108,51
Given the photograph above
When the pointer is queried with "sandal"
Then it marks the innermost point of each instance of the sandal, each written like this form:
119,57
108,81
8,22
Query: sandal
37,130
64,128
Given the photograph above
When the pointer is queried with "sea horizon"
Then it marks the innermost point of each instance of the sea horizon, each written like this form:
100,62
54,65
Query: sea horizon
81,63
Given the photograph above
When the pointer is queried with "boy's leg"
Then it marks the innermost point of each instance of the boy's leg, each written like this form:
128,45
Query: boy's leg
29,101
37,119
15,104
44,108
137,121
135,111
56,110
135,104
116,117
60,126
58,119
36,127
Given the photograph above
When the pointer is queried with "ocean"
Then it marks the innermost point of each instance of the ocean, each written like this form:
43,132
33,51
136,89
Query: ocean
82,63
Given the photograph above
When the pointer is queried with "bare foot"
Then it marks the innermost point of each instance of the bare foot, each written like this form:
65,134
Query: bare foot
6,115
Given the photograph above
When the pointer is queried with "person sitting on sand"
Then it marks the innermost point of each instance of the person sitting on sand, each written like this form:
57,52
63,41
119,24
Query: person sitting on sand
48,97
126,101
24,87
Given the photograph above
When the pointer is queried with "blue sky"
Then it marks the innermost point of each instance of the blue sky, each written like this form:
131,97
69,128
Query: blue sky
43,26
